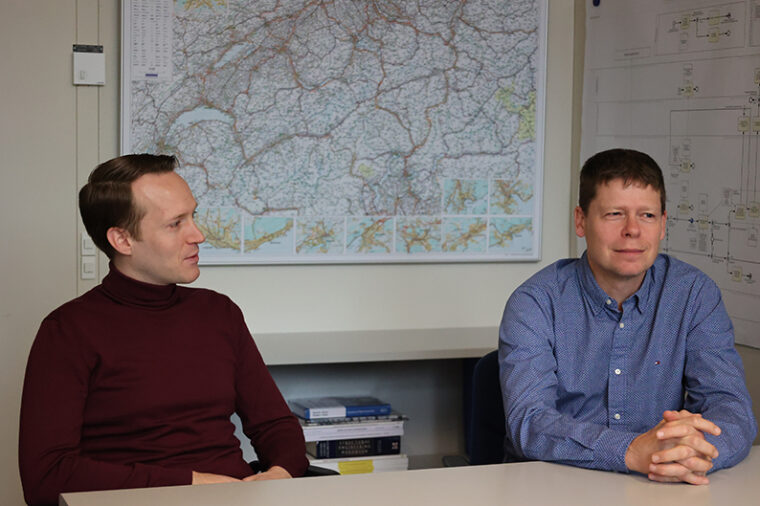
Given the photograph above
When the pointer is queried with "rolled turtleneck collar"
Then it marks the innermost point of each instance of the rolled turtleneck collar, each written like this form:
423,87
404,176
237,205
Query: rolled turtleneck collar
131,292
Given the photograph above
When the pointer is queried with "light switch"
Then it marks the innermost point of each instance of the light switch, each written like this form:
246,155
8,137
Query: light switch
88,268
87,247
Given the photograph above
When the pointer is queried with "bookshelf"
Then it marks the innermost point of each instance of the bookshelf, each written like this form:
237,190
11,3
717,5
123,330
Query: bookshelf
428,392
418,370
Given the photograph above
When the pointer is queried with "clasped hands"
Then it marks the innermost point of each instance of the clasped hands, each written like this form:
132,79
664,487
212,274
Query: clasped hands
675,449
273,473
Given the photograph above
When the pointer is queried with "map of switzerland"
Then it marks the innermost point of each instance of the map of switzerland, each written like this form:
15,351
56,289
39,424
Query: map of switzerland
352,130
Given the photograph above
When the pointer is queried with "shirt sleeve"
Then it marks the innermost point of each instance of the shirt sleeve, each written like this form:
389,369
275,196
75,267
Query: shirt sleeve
274,431
52,407
714,378
528,375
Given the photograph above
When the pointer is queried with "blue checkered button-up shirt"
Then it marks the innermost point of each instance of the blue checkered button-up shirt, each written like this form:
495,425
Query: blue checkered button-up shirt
581,379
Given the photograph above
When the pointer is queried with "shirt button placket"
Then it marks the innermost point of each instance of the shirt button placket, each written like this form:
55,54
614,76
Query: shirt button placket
617,385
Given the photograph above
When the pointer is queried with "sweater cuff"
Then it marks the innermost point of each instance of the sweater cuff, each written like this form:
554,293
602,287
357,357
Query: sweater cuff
295,466
169,477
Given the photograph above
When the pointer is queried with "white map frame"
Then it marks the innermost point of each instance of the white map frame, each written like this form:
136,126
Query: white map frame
155,63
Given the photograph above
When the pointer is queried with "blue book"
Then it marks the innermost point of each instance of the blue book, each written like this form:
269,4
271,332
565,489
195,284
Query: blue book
338,407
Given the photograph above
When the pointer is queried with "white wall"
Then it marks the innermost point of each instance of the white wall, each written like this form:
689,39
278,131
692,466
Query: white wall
52,134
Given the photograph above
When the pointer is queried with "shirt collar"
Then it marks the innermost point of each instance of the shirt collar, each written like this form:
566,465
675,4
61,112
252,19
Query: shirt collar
598,298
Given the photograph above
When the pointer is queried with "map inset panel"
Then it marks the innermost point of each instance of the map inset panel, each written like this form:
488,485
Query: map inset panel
221,227
320,236
370,235
513,235
463,196
467,235
418,234
268,234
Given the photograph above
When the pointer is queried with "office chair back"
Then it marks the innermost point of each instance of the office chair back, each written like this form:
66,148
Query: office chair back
487,426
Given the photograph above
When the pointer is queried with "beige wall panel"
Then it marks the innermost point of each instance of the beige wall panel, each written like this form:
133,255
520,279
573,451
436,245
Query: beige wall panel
37,180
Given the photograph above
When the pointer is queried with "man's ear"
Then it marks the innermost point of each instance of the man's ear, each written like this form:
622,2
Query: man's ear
120,240
580,222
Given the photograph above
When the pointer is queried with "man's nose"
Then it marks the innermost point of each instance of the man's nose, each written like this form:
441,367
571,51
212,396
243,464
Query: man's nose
631,227
196,236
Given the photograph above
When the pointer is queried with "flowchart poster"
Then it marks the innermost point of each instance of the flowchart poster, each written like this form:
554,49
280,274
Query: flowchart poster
345,131
680,80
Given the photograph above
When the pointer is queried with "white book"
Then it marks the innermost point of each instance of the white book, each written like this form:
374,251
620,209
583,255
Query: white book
361,465
378,428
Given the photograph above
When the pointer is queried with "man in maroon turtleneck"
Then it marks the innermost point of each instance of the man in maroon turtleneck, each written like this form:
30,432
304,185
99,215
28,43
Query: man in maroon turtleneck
133,383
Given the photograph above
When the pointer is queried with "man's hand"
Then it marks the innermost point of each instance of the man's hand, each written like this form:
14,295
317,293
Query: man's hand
675,449
206,478
273,473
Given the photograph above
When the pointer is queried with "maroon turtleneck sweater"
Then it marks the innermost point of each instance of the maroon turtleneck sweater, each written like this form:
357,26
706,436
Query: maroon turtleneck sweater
133,385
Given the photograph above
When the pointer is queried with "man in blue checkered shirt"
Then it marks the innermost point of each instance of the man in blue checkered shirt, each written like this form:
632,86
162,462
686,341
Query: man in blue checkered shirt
623,359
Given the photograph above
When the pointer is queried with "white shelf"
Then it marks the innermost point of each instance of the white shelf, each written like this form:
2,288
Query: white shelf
376,345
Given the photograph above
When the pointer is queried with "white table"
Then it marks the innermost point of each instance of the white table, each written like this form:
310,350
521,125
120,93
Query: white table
502,484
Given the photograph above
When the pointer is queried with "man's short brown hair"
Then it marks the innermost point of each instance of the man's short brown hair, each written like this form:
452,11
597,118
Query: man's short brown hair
106,200
633,167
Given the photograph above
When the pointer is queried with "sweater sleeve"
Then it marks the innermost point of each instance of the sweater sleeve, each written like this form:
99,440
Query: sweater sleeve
273,430
53,401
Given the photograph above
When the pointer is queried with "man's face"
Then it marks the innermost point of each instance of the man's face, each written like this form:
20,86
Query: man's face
623,229
167,251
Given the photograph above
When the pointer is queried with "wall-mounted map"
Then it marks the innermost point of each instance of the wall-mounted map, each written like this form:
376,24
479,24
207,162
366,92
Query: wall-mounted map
346,130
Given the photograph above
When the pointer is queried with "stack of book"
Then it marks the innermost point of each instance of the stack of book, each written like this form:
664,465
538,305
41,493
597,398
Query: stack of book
351,434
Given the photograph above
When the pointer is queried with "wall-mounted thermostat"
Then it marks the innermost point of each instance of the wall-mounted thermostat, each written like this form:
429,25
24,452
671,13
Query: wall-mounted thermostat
89,65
